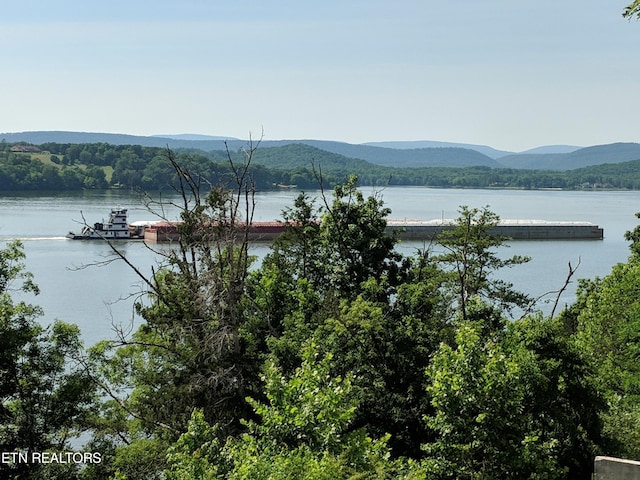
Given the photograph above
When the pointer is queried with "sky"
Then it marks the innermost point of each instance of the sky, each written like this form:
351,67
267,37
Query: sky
509,74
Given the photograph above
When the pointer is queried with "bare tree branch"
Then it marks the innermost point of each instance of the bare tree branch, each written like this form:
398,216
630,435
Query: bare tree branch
567,281
558,293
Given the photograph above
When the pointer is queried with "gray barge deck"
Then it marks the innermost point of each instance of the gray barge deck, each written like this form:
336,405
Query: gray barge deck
514,229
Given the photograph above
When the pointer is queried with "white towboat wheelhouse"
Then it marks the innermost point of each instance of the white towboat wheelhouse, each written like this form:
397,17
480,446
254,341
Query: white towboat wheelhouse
116,228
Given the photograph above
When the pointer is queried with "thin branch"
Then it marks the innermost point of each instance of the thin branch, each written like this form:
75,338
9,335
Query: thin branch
567,281
558,293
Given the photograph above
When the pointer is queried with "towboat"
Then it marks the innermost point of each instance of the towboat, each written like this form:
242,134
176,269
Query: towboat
116,228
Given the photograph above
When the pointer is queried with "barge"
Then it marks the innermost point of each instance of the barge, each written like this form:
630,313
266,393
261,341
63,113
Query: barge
513,229
420,230
117,228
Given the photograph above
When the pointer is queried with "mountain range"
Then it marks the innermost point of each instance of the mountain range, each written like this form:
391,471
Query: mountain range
396,154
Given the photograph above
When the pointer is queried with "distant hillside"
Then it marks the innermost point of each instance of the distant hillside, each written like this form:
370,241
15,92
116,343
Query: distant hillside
412,145
309,152
299,155
420,157
552,149
417,157
584,157
400,156
533,161
38,138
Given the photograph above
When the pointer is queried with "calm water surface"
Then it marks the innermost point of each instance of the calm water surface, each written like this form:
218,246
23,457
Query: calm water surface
98,297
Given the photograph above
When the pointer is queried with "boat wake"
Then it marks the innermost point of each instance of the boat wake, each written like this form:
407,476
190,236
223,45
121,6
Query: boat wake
30,239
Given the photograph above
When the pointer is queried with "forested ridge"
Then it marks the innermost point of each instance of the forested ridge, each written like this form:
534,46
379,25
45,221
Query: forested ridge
100,166
337,357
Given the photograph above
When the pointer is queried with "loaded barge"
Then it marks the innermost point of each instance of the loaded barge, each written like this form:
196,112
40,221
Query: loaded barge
117,228
420,230
513,229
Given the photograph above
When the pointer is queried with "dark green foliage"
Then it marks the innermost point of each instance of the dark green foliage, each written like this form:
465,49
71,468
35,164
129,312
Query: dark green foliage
562,396
331,277
387,352
607,323
20,172
340,246
535,414
483,431
302,433
46,398
356,244
518,407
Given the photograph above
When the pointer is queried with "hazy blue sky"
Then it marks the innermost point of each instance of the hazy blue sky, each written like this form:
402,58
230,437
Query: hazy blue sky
505,73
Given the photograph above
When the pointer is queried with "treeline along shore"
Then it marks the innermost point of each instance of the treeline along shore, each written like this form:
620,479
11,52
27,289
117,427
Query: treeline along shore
69,167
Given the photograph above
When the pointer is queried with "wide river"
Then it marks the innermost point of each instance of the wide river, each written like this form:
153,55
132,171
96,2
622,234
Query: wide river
75,289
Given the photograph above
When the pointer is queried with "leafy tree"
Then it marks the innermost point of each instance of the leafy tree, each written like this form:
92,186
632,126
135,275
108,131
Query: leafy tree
332,277
384,326
607,319
45,399
387,351
471,258
195,347
302,434
354,229
127,169
632,9
298,250
157,174
561,394
482,432
95,178
633,236
605,324
339,246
